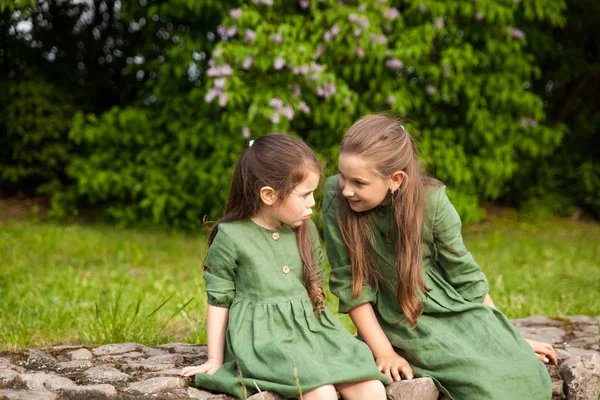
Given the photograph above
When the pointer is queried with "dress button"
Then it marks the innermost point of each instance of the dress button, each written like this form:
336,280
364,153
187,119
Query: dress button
275,236
285,269
381,213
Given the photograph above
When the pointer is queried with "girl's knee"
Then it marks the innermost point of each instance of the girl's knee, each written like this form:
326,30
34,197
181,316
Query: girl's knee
326,392
372,389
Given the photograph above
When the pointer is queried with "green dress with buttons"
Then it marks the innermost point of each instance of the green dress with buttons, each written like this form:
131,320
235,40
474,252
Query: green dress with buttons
470,350
274,341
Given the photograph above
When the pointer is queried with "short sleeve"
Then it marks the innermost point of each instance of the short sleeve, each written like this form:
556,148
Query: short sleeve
457,263
220,270
340,278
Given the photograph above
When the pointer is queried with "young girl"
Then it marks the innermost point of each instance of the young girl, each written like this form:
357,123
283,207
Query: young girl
267,327
402,272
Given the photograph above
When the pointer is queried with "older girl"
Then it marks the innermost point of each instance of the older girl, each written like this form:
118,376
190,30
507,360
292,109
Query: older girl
402,272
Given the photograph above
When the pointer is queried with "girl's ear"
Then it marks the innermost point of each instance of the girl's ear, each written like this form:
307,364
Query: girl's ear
268,195
397,179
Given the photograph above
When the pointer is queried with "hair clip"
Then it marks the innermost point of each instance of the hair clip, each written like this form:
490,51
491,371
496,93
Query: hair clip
250,143
403,128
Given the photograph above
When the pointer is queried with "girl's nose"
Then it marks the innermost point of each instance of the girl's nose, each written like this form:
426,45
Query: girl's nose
347,192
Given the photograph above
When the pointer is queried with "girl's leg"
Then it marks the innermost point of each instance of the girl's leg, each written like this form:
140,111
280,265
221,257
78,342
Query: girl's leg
326,392
373,389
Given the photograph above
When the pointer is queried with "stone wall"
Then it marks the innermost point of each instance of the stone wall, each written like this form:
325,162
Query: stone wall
132,371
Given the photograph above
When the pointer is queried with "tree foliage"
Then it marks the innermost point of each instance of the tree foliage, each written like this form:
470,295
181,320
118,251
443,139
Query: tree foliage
183,85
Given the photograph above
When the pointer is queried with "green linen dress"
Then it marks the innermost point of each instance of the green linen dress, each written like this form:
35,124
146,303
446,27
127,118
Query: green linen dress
257,274
471,351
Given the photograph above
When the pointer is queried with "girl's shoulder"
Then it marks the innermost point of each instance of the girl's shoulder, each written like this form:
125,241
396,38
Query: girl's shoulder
331,183
234,229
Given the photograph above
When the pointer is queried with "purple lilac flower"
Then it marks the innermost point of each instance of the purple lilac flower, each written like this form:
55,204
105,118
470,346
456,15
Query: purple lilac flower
288,112
379,39
347,101
391,13
250,36
276,103
279,63
359,51
277,38
223,98
363,22
479,15
301,70
304,3
220,83
327,36
274,118
210,95
390,99
221,30
219,71
247,63
232,31
394,63
246,132
516,33
353,18
430,90
317,68
528,122
439,22
297,91
303,107
422,7
235,13
358,32
217,53
211,63
320,50
335,30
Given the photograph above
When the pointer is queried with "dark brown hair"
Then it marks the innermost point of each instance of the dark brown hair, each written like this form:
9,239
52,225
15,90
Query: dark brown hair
384,143
281,162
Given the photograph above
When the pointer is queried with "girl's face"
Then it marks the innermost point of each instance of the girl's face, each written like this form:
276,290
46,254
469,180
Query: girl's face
297,207
360,184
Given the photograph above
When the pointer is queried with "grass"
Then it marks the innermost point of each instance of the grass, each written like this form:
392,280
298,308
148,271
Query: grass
96,284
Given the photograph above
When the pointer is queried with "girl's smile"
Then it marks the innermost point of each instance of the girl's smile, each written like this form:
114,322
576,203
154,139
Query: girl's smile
360,184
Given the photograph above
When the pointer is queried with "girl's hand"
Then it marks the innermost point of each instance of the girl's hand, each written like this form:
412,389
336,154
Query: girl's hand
209,367
543,351
392,365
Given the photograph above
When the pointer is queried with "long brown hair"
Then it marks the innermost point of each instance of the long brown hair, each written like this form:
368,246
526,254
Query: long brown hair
281,162
383,142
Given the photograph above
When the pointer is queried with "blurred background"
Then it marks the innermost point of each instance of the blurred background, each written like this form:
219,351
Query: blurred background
120,123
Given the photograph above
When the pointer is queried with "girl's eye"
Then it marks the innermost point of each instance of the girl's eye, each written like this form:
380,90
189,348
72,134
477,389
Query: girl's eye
358,183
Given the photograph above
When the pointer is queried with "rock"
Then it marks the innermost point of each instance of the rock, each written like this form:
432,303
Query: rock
420,388
42,381
156,385
266,396
81,354
582,319
74,365
7,376
27,395
114,349
557,382
581,377
105,373
550,335
90,392
39,359
536,321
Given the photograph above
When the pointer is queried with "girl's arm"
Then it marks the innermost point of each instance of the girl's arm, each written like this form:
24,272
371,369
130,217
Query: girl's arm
216,329
387,360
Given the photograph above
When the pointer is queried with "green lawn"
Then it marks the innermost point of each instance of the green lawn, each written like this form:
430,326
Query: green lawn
98,284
